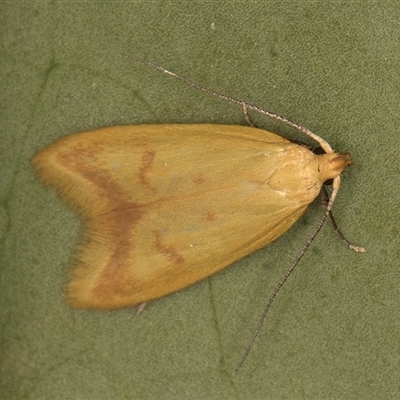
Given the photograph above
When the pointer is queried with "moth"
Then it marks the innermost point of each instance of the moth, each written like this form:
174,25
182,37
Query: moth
164,206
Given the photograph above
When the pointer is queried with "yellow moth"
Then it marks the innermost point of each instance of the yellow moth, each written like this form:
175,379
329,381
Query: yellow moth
164,206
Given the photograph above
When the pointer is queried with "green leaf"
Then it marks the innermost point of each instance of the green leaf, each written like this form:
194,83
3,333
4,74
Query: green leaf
333,331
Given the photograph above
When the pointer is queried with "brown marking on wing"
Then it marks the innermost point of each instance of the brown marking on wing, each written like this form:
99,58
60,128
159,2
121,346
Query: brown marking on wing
209,216
102,180
198,179
118,223
166,250
116,277
147,160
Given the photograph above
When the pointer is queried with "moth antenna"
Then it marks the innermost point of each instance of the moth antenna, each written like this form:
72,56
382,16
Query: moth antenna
329,200
245,106
328,207
281,283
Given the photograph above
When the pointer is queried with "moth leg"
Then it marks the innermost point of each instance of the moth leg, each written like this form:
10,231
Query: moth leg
140,308
246,116
335,227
